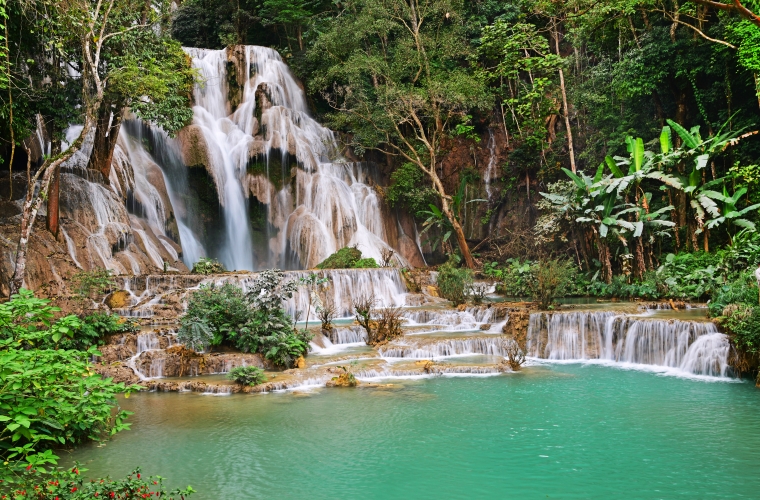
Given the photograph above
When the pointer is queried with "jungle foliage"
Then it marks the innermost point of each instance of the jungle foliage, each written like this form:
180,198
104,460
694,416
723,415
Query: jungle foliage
252,321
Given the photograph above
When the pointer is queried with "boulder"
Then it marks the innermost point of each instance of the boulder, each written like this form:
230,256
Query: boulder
119,299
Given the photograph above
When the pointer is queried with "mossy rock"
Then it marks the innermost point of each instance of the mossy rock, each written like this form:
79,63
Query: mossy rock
367,263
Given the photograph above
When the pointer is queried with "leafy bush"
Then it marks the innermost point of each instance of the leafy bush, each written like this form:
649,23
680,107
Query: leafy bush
214,314
742,290
453,282
208,266
513,279
743,321
247,375
550,279
408,188
283,348
367,263
252,322
345,258
50,395
27,482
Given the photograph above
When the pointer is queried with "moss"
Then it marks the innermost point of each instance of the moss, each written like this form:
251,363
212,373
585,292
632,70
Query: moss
345,258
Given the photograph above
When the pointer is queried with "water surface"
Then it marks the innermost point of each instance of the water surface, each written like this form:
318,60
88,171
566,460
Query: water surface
558,431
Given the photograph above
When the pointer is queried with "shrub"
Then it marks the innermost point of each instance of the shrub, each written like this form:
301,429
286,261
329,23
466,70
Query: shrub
743,322
367,263
453,283
387,326
247,375
214,314
479,292
742,290
345,258
283,348
50,396
208,266
86,284
551,278
68,484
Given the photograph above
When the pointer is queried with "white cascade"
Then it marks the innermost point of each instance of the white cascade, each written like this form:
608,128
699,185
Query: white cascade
315,206
692,347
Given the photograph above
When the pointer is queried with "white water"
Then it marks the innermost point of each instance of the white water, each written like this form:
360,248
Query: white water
691,347
323,204
491,167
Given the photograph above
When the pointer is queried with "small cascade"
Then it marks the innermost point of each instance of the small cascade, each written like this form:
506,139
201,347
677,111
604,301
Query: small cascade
348,335
147,342
472,318
693,347
385,284
433,348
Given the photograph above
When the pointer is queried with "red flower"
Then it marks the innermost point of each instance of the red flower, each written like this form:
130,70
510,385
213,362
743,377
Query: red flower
28,466
138,475
73,489
112,494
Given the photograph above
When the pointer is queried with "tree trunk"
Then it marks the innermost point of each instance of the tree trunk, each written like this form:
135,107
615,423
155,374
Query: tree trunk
29,215
604,258
106,135
53,211
564,103
639,264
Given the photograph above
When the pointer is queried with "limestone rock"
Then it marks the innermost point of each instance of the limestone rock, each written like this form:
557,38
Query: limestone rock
118,299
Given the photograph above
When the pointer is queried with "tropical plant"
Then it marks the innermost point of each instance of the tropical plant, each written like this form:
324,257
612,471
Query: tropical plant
247,375
222,311
345,258
283,348
51,397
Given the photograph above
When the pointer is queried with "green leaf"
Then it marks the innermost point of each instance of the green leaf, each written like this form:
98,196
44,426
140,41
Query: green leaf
613,167
702,161
638,154
666,141
684,134
578,181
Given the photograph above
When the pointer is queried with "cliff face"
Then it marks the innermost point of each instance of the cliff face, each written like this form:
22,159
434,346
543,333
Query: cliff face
105,224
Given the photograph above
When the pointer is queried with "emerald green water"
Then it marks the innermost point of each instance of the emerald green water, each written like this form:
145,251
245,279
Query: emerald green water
564,431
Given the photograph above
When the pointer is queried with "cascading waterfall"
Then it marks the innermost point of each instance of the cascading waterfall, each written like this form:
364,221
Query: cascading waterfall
491,167
250,138
693,347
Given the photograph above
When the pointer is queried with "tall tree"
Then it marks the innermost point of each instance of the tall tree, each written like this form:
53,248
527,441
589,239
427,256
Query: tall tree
397,74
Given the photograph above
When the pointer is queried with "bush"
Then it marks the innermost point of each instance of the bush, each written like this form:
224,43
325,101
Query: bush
453,283
743,322
550,279
208,266
68,484
86,284
214,314
513,279
252,322
743,290
247,375
284,348
367,263
345,258
50,395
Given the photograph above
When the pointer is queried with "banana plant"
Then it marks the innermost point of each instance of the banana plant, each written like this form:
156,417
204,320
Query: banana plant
729,213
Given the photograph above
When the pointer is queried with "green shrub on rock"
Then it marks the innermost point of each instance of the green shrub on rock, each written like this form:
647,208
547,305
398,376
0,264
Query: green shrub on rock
208,266
345,258
453,282
247,375
367,263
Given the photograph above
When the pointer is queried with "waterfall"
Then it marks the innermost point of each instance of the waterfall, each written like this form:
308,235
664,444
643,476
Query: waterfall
692,347
489,174
253,132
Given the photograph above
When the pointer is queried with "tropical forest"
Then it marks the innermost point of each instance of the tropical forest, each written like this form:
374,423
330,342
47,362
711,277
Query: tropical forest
379,249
